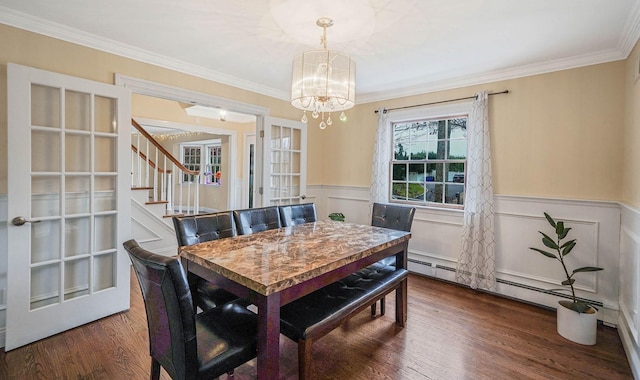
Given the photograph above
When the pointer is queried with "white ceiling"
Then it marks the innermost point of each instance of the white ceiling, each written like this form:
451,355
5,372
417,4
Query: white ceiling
401,47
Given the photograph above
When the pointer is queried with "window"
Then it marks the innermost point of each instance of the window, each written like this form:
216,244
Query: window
191,156
213,166
195,155
429,159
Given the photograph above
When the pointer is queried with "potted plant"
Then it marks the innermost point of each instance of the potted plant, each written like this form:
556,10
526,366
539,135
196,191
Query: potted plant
337,216
577,320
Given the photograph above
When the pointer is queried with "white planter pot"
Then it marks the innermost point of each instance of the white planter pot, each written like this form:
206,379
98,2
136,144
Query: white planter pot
577,327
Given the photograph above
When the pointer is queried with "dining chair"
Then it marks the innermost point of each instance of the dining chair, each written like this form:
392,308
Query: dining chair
291,215
188,345
252,220
193,229
395,217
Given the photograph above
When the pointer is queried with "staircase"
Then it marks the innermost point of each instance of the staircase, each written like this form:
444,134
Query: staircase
156,194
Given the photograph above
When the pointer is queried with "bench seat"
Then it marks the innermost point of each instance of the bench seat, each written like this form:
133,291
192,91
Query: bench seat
316,314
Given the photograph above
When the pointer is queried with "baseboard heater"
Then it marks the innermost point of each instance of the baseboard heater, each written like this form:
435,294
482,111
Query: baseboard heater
511,283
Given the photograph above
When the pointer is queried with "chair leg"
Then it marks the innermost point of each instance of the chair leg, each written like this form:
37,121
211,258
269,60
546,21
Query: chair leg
373,309
155,369
382,306
304,359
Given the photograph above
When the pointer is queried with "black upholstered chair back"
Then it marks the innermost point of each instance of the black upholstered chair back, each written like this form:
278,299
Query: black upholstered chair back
394,217
193,229
252,220
292,215
170,313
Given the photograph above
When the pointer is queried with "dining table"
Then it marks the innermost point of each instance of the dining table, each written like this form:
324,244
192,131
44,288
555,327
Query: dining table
274,267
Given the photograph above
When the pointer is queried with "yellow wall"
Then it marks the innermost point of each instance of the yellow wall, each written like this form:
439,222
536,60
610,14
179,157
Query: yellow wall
561,134
631,147
34,50
554,135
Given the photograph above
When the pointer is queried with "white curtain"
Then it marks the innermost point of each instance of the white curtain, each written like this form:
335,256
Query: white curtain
476,265
381,154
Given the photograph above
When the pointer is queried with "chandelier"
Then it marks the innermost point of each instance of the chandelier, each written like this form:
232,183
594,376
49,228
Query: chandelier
323,81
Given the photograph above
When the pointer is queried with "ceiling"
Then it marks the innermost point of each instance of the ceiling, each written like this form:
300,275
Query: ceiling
401,47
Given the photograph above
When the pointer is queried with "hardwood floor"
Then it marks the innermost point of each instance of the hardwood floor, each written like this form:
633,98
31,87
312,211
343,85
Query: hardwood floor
452,333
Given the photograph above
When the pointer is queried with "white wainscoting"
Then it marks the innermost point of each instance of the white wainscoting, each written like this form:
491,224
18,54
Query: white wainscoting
629,316
522,273
4,255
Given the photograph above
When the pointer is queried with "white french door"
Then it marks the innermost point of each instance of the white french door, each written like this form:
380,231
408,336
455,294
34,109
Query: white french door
284,162
68,202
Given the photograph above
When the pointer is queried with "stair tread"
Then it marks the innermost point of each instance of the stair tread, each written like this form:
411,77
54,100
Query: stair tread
171,215
156,202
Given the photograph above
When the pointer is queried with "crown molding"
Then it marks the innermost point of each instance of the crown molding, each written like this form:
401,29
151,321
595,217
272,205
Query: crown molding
21,20
495,76
631,32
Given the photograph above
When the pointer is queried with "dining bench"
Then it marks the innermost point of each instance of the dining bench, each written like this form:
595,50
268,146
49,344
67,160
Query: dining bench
311,317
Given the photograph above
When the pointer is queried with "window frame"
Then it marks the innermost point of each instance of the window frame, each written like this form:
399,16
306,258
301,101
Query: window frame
436,112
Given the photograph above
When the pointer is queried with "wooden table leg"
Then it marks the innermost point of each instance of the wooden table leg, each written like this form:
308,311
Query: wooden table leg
269,337
401,292
401,304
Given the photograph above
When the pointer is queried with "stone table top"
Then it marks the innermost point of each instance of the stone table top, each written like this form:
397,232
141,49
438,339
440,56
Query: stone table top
273,260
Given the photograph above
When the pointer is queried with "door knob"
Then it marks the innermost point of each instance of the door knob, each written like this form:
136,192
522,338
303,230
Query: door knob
20,220
303,196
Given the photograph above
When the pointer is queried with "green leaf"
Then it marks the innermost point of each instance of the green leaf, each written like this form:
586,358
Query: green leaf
568,248
560,228
564,233
566,243
547,241
551,255
586,269
568,281
550,220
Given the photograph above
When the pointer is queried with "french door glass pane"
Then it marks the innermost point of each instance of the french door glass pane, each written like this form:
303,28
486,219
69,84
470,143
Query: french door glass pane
76,240
105,193
76,278
104,271
275,137
105,115
45,196
105,232
77,111
105,154
77,194
45,241
45,151
45,106
296,139
295,186
295,163
77,153
45,286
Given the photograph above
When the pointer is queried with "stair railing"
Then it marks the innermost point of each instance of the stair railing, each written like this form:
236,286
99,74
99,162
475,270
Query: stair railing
156,175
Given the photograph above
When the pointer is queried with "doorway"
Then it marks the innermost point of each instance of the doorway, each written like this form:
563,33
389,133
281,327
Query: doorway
236,196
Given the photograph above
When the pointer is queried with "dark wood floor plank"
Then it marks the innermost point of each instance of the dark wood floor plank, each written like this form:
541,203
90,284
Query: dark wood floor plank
452,333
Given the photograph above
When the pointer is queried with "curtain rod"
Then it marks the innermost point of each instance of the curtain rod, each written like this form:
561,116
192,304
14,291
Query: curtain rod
385,110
